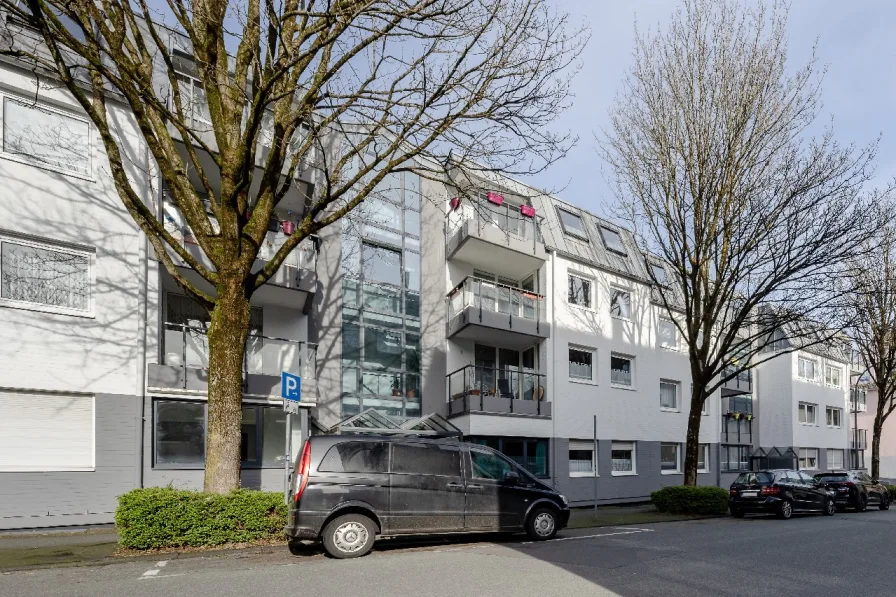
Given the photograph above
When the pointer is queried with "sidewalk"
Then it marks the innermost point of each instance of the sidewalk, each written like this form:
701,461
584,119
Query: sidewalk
583,518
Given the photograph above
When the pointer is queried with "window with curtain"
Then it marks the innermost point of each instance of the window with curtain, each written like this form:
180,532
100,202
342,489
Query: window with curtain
808,458
581,363
581,458
835,459
622,457
669,395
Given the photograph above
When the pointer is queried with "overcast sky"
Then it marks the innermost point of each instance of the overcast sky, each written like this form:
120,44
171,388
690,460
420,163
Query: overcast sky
856,41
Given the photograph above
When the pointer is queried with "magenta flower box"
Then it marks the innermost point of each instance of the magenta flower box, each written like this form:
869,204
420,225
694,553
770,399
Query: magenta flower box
494,198
527,210
455,202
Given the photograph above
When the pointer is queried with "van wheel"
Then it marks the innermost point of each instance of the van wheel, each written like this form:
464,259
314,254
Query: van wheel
349,536
542,524
785,511
884,502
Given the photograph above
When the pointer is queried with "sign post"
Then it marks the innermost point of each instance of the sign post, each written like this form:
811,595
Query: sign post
291,392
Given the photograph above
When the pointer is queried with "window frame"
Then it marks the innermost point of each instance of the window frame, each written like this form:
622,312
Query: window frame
704,449
589,304
828,369
583,446
676,342
727,450
631,360
583,235
584,349
622,446
815,365
806,406
49,245
603,229
614,290
829,412
676,385
677,469
830,466
29,161
800,459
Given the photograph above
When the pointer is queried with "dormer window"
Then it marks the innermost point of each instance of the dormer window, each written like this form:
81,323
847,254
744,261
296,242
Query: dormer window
659,273
612,240
572,224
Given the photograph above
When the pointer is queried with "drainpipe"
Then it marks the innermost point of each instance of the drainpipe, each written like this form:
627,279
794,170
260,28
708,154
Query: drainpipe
142,311
553,370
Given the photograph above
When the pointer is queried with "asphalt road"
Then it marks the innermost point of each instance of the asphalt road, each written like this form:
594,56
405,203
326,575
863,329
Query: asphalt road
848,554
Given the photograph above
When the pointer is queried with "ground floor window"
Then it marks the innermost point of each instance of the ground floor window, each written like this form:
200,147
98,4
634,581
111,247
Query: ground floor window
531,454
581,458
180,428
735,458
858,458
624,459
670,458
703,458
835,459
808,458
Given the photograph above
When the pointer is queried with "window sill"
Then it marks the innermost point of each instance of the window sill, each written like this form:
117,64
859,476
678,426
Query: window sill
670,472
580,307
620,318
583,475
621,387
620,474
702,472
49,168
669,410
670,348
584,382
38,308
809,424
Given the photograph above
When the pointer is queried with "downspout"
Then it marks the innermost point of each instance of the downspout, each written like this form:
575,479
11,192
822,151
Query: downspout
142,311
553,368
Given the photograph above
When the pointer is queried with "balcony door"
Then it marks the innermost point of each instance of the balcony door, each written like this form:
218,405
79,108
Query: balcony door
506,373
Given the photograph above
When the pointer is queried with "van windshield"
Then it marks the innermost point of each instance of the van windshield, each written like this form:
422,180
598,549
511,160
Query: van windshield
753,478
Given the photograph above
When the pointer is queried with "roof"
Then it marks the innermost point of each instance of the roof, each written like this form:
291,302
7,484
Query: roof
372,421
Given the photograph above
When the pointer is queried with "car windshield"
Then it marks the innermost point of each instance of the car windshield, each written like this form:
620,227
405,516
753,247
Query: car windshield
753,478
832,477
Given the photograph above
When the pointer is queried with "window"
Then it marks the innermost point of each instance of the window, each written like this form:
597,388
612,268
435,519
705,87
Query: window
45,137
668,333
858,458
832,376
778,341
45,432
180,433
835,459
833,415
807,413
808,458
44,277
356,457
734,458
623,458
703,458
192,91
621,370
426,459
612,240
487,465
620,303
581,458
579,291
669,395
572,224
669,458
381,264
659,273
806,368
581,364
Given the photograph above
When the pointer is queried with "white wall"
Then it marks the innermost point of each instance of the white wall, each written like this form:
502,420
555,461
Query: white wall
774,398
816,392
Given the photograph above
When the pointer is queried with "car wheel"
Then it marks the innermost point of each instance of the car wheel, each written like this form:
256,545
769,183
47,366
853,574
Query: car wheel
862,505
829,507
542,524
737,512
349,536
785,510
884,502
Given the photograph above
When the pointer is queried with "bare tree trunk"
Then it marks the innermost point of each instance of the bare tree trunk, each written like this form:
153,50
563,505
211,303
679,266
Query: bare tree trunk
692,446
875,446
227,345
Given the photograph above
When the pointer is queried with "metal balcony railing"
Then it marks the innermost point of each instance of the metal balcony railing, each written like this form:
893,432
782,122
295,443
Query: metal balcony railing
737,404
186,346
737,428
859,439
474,384
483,214
498,298
858,400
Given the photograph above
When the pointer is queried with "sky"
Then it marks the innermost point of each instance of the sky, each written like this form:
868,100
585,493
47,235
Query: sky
855,42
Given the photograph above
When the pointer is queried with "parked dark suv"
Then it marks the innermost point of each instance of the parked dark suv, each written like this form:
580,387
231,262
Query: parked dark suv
855,489
781,492
349,489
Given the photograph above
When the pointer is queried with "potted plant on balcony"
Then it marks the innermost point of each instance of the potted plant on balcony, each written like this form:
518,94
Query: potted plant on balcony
396,385
474,390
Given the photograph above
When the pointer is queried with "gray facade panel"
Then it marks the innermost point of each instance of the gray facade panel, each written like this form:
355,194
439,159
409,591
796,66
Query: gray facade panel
44,499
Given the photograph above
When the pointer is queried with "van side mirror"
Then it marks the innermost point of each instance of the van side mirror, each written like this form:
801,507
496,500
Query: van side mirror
511,477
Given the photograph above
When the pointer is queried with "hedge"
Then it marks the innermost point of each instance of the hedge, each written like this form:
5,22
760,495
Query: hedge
156,517
892,490
685,499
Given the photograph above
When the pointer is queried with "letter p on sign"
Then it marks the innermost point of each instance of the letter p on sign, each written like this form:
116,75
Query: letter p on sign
290,386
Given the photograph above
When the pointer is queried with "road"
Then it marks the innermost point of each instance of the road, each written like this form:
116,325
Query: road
848,554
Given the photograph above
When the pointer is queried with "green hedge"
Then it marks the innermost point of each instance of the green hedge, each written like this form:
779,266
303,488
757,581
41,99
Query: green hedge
892,490
685,499
157,517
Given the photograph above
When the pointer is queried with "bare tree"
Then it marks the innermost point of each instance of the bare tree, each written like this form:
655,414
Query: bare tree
873,324
246,98
715,174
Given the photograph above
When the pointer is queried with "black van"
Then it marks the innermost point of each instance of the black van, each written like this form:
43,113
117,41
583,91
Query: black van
349,489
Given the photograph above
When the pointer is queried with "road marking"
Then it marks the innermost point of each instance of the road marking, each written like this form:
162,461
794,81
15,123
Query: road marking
632,529
153,572
162,564
632,532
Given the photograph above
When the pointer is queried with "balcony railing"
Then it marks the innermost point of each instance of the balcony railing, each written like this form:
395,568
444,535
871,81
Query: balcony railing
498,298
858,400
859,439
742,382
505,217
737,428
187,346
475,388
622,377
737,404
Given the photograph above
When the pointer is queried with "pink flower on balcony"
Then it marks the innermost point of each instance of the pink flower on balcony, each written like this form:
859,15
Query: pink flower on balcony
527,210
495,198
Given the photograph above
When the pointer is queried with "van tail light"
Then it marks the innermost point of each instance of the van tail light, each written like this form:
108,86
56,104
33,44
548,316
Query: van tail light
770,490
303,470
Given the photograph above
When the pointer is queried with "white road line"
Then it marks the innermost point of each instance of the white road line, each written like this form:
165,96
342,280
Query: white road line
631,529
635,532
152,572
161,564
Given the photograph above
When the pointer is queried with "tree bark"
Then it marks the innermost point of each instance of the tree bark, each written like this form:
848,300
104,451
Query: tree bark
875,447
227,346
692,445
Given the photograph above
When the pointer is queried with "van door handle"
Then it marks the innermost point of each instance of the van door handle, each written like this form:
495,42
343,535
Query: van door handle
474,486
454,486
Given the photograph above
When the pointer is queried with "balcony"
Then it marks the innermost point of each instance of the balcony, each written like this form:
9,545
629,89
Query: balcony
737,428
858,401
185,362
741,384
474,389
858,439
494,238
737,404
484,311
297,273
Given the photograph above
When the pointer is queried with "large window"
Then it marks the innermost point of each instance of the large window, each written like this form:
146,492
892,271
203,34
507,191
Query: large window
581,459
670,458
192,90
426,459
572,224
579,291
581,363
356,457
833,416
179,432
807,413
487,465
734,458
806,368
623,458
620,303
44,277
381,264
621,370
808,458
46,137
669,394
835,459
832,376
668,333
612,239
529,454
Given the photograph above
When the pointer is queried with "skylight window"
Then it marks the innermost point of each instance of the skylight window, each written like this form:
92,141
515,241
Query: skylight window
612,240
572,224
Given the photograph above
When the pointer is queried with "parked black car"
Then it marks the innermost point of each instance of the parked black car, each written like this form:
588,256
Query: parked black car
855,489
781,492
349,489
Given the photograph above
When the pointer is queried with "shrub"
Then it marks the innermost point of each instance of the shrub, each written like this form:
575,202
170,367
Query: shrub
684,499
892,490
156,517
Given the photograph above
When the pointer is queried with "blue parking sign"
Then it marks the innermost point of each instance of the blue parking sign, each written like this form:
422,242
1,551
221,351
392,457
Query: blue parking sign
290,387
